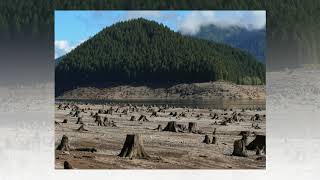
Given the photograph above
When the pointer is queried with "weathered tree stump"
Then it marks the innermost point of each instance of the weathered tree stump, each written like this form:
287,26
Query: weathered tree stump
143,118
67,165
258,142
105,121
174,114
133,147
171,126
215,116
98,120
79,121
239,146
206,139
64,144
154,113
81,128
182,114
214,140
192,127
133,118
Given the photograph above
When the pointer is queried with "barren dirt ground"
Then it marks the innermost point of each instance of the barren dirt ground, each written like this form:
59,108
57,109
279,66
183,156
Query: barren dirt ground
169,150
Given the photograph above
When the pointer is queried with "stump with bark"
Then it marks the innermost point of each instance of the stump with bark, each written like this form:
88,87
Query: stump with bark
182,114
154,113
258,142
206,139
64,144
133,148
67,165
81,128
133,118
171,126
192,127
214,140
79,121
98,121
239,146
143,118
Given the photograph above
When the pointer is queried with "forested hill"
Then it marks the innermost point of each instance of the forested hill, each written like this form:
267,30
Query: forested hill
252,41
144,51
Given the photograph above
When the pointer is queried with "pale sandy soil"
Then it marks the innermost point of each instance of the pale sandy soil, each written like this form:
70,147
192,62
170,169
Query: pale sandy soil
206,90
168,150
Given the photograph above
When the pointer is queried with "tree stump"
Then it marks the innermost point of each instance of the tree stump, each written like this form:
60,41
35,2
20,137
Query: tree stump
239,146
214,140
105,121
79,121
182,114
258,142
133,147
98,120
174,114
154,113
67,165
206,139
143,118
171,126
81,128
133,118
64,144
192,127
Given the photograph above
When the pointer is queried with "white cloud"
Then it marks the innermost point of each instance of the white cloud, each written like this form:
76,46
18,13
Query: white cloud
63,47
259,19
192,22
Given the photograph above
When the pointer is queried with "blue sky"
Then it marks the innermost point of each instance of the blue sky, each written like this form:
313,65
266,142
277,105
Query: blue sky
74,27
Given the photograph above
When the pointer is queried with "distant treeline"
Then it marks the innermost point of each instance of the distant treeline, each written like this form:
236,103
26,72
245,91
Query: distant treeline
145,51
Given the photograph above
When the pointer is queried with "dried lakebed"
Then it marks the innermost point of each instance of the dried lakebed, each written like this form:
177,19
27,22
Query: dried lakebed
98,147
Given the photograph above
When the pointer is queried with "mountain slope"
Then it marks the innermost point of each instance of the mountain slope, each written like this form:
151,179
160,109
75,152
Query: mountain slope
252,41
143,51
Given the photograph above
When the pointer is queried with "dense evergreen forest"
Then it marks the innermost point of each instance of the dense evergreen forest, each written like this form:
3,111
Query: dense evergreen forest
252,41
292,25
142,51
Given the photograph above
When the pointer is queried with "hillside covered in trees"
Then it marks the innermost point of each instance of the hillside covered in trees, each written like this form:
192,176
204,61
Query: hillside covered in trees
143,51
292,25
250,40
